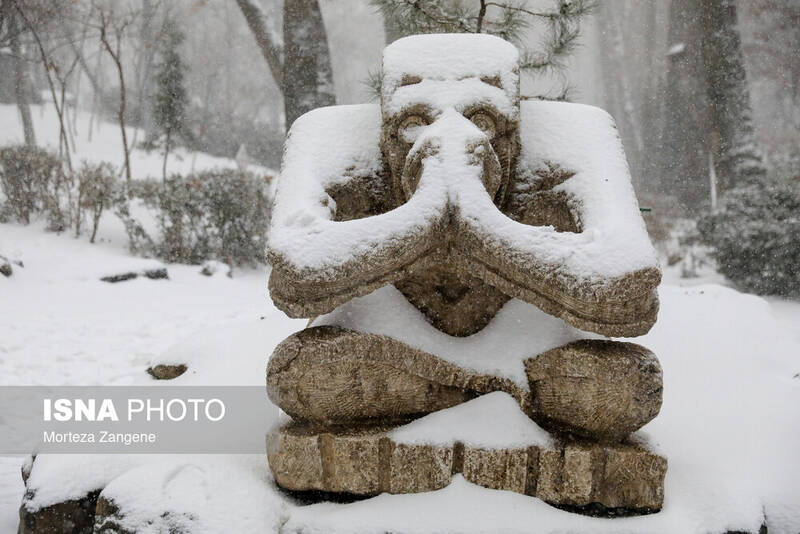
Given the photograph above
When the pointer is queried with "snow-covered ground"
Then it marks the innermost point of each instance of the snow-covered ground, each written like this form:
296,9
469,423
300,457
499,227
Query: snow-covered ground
105,143
729,426
730,423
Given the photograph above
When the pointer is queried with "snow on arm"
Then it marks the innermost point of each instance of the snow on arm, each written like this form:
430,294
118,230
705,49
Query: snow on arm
613,241
327,147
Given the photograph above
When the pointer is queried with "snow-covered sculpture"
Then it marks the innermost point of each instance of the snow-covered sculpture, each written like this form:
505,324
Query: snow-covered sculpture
455,243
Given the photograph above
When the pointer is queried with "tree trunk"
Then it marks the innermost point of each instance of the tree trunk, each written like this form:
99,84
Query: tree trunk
122,102
20,80
737,159
619,69
166,155
269,44
146,88
307,73
683,159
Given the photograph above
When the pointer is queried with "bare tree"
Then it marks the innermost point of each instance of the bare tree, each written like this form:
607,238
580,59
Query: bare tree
115,24
21,85
50,65
308,77
301,68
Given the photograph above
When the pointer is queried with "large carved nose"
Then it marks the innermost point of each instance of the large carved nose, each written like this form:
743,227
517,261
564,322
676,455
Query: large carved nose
452,149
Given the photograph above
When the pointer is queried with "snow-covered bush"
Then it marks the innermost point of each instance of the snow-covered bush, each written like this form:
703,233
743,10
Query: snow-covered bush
755,236
96,186
33,181
220,214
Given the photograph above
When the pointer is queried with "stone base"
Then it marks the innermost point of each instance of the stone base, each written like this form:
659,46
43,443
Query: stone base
74,516
364,461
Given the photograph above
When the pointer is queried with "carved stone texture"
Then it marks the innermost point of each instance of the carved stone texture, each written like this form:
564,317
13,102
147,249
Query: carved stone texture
450,119
454,301
331,375
363,461
622,307
597,389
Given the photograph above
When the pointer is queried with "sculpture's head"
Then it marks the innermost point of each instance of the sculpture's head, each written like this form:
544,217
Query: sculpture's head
459,90
437,205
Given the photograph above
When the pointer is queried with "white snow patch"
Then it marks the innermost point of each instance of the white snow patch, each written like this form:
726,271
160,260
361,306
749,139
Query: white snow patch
198,494
677,48
517,332
450,57
59,477
492,421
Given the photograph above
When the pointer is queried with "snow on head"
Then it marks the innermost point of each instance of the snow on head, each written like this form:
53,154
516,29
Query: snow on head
450,70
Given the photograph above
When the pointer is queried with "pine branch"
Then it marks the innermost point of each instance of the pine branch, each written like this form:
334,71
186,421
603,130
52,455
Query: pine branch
373,84
507,20
425,16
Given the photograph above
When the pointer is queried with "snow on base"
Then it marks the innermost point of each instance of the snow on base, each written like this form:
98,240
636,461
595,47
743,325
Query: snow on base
519,331
492,421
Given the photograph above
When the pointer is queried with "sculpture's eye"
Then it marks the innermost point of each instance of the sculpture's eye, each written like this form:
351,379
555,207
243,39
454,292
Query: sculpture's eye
485,122
410,127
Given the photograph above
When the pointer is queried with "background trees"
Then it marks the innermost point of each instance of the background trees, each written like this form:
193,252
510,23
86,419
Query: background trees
170,100
558,23
299,59
704,92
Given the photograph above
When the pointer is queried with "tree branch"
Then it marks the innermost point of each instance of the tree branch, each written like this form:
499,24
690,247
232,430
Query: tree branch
481,15
271,50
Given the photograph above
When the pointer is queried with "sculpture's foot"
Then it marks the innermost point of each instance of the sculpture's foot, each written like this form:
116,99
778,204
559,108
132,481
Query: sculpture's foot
331,375
619,478
597,389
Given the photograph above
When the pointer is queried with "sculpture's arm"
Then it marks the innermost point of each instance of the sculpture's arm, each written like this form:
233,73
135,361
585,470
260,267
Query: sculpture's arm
319,262
601,277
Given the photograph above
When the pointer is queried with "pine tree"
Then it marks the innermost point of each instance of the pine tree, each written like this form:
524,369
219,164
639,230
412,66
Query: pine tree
507,20
169,110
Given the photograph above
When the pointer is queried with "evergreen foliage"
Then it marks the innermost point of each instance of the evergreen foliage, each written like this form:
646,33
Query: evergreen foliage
170,100
755,237
507,20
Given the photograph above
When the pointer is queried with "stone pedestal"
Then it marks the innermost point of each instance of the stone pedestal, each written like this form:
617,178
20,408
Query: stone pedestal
618,478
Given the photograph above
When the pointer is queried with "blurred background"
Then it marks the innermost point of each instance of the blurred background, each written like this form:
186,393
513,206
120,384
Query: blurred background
704,93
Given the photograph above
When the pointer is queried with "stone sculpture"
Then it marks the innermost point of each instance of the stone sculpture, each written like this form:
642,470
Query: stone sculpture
455,247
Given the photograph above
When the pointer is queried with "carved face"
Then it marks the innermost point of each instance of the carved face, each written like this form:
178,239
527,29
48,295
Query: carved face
428,102
451,113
